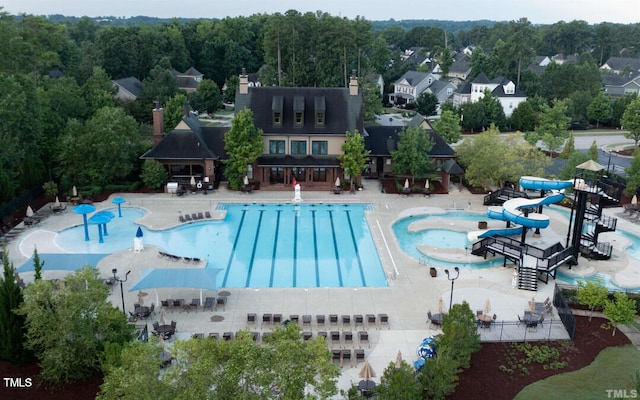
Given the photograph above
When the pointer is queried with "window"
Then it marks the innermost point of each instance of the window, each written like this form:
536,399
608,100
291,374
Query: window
299,174
276,146
299,120
319,147
277,118
298,147
320,118
250,171
319,174
449,91
276,175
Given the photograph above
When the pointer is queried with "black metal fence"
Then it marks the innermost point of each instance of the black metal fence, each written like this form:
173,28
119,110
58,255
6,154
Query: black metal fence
551,329
564,311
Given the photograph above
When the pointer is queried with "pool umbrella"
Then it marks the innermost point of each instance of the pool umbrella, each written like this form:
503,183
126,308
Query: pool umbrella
532,304
486,309
406,183
338,181
440,305
74,192
399,360
29,212
57,203
366,372
591,165
119,201
193,181
84,209
139,232
634,200
163,315
246,180
426,184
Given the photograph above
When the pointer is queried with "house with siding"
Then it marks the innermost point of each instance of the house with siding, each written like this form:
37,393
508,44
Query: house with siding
500,87
621,85
128,88
618,65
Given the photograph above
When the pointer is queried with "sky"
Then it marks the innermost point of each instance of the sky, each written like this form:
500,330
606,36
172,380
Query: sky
536,11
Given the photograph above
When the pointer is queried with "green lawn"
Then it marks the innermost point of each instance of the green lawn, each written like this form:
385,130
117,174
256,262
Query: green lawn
613,369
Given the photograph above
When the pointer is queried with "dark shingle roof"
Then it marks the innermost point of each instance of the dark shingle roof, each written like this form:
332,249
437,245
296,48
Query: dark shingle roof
343,112
413,77
378,142
482,78
131,84
619,63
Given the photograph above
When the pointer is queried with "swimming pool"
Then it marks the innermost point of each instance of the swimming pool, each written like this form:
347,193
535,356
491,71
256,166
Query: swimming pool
260,245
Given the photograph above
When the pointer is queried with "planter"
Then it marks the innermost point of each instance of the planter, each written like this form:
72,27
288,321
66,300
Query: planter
433,272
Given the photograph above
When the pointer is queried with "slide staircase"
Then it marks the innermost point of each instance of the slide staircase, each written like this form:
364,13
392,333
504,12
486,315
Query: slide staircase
498,197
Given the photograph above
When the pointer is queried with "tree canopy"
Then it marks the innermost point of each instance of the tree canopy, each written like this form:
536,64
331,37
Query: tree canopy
412,156
243,144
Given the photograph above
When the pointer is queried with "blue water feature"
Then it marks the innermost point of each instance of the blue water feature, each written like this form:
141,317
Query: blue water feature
261,245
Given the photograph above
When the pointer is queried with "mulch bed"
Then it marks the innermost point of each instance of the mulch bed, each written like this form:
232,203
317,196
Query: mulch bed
485,380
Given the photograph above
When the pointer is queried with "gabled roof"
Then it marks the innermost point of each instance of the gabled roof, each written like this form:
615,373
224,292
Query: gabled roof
482,78
413,77
619,63
464,89
343,112
499,92
185,82
131,85
381,138
193,72
618,80
439,85
460,66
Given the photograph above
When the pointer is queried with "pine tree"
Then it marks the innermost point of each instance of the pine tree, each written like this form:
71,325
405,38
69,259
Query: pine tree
12,325
37,265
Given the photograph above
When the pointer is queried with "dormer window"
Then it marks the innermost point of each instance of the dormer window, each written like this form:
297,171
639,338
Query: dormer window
276,110
298,111
319,109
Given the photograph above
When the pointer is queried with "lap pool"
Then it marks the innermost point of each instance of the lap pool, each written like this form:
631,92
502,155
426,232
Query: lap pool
260,245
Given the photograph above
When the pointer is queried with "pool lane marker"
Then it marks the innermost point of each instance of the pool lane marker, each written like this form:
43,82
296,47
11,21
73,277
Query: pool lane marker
275,248
315,246
233,250
253,252
355,246
335,247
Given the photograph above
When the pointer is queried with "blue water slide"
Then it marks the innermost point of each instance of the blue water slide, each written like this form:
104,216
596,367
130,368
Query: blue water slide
511,210
501,231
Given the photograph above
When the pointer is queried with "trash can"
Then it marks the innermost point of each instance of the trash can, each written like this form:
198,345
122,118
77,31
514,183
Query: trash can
433,272
482,224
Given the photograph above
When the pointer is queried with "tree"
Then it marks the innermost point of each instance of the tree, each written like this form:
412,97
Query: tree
243,144
619,107
68,325
439,375
459,338
160,85
229,93
207,97
569,147
600,109
37,265
448,126
593,152
631,121
523,117
153,175
576,158
427,104
592,294
399,383
552,129
354,157
412,155
12,325
98,90
218,369
371,99
174,110
620,311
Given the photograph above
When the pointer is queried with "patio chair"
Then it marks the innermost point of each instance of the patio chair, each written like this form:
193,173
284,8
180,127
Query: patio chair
358,319
306,336
208,303
346,321
277,319
371,320
266,319
358,354
346,355
221,301
178,303
228,336
519,320
347,338
384,320
251,319
335,337
319,321
363,336
214,335
333,319
306,320
195,303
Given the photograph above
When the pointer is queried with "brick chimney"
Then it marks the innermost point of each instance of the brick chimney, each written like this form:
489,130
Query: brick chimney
244,82
353,84
185,109
158,123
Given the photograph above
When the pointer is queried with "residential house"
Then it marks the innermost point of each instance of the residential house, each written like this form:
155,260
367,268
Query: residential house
303,131
500,87
460,69
128,88
383,140
188,80
618,65
410,86
190,150
621,85
443,90
561,58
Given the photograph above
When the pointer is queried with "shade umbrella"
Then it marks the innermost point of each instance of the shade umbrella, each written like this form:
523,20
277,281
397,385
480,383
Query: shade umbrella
84,209
486,309
163,315
532,304
74,192
139,233
399,360
57,203
29,212
591,165
246,180
426,184
634,200
193,181
406,183
440,305
338,182
366,372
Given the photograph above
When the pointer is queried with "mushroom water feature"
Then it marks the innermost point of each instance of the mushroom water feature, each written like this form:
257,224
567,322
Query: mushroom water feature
104,226
119,201
84,209
101,219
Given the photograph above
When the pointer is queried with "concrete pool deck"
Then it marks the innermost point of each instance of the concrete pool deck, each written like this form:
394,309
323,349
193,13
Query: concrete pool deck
411,293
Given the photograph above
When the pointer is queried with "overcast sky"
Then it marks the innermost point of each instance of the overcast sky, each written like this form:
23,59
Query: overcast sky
536,11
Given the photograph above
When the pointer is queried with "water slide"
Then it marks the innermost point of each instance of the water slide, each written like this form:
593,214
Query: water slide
517,210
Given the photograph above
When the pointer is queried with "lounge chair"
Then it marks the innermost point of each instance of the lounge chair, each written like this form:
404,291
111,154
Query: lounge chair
208,303
277,319
371,320
181,218
347,338
207,214
194,216
195,303
200,216
187,259
306,336
195,260
358,319
319,320
358,355
266,319
221,301
228,336
346,321
384,320
363,336
336,356
187,217
251,319
214,335
333,319
346,355
335,337
306,320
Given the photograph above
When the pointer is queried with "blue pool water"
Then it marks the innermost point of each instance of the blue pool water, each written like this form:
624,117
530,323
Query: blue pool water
260,245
